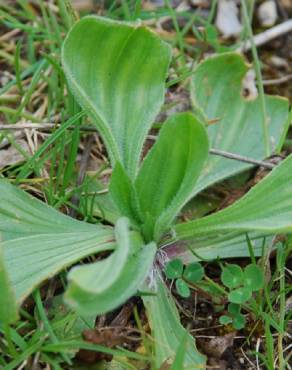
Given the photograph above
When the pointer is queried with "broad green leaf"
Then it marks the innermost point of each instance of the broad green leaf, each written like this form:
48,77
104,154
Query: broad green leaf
166,328
170,170
104,285
8,308
117,71
254,277
232,276
40,241
178,362
266,208
33,259
235,123
23,215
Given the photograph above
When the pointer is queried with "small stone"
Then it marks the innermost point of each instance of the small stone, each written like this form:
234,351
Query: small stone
267,13
227,20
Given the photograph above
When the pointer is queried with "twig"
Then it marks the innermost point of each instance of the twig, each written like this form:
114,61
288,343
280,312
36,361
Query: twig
267,35
236,157
241,158
277,81
8,35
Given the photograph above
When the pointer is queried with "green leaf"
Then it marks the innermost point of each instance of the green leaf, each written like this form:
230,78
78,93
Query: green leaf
232,276
234,309
66,323
216,91
174,269
225,320
220,245
8,307
170,170
194,272
40,241
182,288
117,71
23,215
122,193
266,209
178,362
104,285
166,328
239,295
239,322
98,201
254,277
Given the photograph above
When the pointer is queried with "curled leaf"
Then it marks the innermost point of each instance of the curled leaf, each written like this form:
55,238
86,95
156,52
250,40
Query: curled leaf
104,285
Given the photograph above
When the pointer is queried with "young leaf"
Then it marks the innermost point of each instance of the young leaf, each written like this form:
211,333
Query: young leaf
170,170
104,285
234,309
266,208
217,94
232,276
122,193
174,269
182,288
117,73
166,328
40,241
239,321
225,320
254,277
239,295
194,272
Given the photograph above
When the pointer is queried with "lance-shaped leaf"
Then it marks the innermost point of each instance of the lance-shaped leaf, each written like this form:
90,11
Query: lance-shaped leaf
235,122
219,245
266,208
40,241
23,215
117,73
104,285
8,307
123,194
170,170
167,329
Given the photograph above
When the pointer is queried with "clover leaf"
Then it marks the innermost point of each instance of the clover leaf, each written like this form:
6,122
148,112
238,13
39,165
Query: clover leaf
194,272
